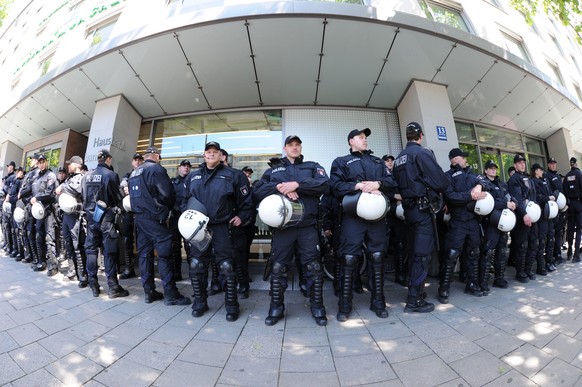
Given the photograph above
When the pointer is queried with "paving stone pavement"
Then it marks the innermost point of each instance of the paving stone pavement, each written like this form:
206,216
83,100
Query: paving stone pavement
54,334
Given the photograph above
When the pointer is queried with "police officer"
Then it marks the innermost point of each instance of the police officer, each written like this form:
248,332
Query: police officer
73,229
152,199
101,198
356,173
420,181
494,247
12,198
545,237
524,240
180,190
29,232
224,194
573,191
555,179
128,226
304,181
7,182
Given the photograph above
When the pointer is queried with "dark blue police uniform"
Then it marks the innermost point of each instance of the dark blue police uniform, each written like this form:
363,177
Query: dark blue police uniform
29,231
573,191
7,230
555,251
43,190
17,237
545,226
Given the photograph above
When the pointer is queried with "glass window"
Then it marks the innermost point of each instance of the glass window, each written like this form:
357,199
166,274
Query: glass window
473,158
555,42
499,138
514,45
444,14
506,162
101,33
533,146
465,132
578,91
45,64
555,72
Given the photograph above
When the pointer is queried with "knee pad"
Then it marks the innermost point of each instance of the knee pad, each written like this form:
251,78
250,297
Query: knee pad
226,267
278,268
523,245
350,260
377,257
196,265
313,267
474,254
453,255
535,244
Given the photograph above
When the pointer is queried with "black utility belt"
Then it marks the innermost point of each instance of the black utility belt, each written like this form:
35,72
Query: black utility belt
421,202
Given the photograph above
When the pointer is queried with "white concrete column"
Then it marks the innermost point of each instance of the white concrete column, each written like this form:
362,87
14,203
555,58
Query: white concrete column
115,127
428,104
560,147
9,151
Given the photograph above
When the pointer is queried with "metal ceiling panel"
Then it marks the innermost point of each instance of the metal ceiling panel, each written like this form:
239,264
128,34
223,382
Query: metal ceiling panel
353,55
288,68
40,114
220,55
113,76
539,114
76,86
413,56
21,126
161,63
60,107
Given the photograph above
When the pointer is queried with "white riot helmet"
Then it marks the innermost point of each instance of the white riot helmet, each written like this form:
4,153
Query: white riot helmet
193,227
68,203
7,206
550,210
127,203
504,220
484,206
278,211
533,210
38,211
400,211
19,215
366,205
561,201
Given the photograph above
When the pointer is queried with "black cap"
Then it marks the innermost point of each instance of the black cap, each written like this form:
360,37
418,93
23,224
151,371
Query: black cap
11,163
212,144
137,155
246,168
34,156
536,166
41,157
518,157
388,157
152,150
224,153
84,167
103,154
185,162
19,169
573,160
62,169
357,132
551,160
490,164
413,128
511,169
457,152
291,138
75,159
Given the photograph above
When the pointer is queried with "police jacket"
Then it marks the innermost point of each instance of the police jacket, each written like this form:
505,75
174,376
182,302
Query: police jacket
415,170
72,185
458,194
543,191
8,180
43,187
523,190
14,189
356,167
151,191
555,180
26,188
497,189
100,183
573,184
180,189
224,191
312,179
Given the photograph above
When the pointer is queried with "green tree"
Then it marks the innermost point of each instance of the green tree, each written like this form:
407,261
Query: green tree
4,5
569,12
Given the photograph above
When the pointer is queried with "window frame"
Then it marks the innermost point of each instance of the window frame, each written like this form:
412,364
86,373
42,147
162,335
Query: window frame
452,6
511,37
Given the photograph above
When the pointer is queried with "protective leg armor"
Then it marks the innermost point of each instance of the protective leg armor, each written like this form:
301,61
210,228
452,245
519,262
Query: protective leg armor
198,276
277,307
349,266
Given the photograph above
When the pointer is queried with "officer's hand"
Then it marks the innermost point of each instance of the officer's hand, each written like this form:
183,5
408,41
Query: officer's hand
287,187
126,190
327,233
511,205
369,186
33,200
527,220
58,190
293,195
398,197
376,192
235,221
553,198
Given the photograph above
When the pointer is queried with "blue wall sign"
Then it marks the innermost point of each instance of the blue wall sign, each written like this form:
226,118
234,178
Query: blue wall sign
441,133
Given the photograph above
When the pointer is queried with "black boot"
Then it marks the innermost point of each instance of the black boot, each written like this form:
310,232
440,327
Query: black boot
500,263
520,264
415,302
472,286
230,299
349,265
198,280
315,273
277,307
81,271
447,276
116,291
94,285
128,270
400,272
484,265
378,302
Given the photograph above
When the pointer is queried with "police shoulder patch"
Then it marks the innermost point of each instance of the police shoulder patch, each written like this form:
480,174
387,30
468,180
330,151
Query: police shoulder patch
320,171
244,190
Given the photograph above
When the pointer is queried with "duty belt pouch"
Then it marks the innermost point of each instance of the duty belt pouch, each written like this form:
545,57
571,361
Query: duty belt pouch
423,204
100,211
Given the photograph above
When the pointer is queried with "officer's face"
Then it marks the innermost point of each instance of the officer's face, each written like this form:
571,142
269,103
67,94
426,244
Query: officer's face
42,164
460,161
359,143
136,162
491,172
184,170
389,163
553,167
61,175
73,167
293,149
212,157
520,166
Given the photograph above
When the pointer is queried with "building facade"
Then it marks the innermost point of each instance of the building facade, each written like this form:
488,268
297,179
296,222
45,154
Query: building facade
247,73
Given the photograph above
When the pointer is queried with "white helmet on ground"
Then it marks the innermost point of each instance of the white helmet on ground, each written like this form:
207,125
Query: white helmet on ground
193,227
127,203
19,215
368,206
551,210
279,212
68,203
533,210
504,220
561,201
38,211
484,206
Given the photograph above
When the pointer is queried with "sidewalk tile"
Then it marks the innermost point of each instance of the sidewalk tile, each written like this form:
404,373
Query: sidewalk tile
127,370
74,369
